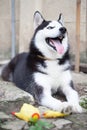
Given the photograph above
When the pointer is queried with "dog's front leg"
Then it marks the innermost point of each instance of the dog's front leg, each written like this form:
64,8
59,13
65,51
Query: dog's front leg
72,98
55,104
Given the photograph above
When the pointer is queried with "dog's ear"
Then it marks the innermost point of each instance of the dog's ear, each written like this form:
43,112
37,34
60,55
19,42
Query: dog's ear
60,19
38,19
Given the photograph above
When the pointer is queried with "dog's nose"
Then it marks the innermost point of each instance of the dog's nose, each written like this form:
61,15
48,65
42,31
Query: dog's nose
62,30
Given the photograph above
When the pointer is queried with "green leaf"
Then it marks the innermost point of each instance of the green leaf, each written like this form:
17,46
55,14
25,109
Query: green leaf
83,103
40,125
36,127
45,124
49,126
32,128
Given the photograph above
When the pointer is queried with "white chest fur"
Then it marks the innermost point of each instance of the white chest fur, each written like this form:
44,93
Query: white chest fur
55,75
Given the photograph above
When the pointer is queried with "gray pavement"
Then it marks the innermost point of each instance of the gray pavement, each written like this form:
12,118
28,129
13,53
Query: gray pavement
12,98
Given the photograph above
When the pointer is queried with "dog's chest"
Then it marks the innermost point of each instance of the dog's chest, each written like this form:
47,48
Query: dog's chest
53,71
51,76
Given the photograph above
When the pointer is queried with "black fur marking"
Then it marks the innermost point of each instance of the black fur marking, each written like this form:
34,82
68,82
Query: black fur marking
33,50
71,84
37,93
28,84
64,58
33,89
41,72
42,26
33,60
60,18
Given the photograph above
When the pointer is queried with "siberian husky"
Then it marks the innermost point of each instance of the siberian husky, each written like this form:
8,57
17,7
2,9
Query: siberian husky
46,68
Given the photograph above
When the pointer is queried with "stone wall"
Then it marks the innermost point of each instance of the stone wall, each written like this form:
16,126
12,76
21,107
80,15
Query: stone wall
24,10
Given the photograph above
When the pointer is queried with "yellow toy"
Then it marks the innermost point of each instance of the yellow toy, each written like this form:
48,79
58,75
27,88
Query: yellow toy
54,114
27,112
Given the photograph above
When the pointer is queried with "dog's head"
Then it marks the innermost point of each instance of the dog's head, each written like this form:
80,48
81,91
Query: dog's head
50,36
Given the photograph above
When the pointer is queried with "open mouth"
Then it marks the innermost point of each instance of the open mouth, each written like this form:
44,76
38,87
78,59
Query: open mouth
56,43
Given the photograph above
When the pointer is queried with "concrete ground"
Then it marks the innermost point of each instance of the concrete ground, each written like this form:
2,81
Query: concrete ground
12,98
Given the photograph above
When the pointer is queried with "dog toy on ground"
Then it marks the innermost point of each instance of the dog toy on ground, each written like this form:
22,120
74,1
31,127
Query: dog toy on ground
54,114
27,112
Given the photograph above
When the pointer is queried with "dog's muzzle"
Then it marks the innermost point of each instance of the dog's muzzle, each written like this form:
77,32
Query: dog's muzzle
56,43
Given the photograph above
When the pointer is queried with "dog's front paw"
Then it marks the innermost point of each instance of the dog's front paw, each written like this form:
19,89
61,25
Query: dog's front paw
66,108
76,108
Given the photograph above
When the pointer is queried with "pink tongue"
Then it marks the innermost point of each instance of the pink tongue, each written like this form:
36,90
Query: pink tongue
58,45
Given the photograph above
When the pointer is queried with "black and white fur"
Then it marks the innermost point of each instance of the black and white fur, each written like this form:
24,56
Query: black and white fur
43,71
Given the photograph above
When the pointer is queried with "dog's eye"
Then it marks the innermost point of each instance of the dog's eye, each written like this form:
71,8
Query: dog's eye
50,27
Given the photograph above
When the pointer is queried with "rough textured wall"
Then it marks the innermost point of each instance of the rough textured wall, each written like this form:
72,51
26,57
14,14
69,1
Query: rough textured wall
5,27
24,10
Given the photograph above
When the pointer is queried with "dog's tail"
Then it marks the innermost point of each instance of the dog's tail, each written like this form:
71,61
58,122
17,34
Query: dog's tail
6,73
8,69
3,64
